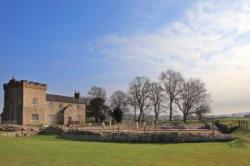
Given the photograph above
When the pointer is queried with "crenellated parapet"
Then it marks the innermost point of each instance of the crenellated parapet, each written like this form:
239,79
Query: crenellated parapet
34,85
24,84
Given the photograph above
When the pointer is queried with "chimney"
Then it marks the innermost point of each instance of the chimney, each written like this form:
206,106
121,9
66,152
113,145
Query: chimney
77,95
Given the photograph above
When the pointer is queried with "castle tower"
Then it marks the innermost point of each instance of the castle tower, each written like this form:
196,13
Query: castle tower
24,102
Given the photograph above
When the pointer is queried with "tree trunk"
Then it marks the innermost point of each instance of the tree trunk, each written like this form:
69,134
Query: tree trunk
156,117
156,114
200,117
184,117
134,114
139,117
170,110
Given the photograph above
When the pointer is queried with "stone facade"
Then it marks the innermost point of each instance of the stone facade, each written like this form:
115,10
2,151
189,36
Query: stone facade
27,103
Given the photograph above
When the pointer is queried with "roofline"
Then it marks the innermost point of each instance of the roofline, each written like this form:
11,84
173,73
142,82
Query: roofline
77,101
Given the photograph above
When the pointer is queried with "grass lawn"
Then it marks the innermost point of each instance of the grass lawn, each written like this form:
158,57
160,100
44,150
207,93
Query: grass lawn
49,150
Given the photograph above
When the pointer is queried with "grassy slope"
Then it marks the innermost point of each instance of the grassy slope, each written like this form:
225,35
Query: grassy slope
48,150
243,134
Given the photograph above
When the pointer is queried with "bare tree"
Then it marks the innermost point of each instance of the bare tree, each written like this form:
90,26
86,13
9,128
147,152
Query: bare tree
119,99
132,102
172,82
139,93
156,98
203,109
97,92
193,93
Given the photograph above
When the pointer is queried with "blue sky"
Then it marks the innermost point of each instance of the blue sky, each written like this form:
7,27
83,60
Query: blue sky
72,45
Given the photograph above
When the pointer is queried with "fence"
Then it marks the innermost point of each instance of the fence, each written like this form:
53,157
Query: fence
244,124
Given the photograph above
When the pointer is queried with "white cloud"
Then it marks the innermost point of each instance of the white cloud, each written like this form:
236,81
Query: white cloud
207,43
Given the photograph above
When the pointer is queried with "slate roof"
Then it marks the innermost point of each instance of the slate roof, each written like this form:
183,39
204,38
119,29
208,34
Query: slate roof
65,99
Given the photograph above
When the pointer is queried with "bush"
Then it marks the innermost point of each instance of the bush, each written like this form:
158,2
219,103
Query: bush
224,128
52,130
117,114
178,125
205,126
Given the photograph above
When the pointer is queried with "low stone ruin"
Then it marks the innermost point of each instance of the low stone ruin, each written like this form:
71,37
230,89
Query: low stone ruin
101,134
18,131
167,137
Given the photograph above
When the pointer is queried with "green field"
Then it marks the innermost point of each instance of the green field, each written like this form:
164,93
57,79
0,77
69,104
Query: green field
50,150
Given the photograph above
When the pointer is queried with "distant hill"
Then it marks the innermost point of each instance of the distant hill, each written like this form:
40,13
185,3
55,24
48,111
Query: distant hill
233,115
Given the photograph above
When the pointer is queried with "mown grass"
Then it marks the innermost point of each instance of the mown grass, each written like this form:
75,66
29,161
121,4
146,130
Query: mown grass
243,134
50,150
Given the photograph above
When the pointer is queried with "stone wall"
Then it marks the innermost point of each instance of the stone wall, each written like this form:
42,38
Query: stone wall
69,110
171,137
18,131
13,103
73,113
31,91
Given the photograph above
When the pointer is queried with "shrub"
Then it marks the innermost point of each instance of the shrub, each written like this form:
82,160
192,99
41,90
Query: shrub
117,114
224,128
52,130
178,125
205,126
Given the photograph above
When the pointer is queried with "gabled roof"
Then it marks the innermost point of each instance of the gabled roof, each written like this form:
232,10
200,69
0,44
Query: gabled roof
65,99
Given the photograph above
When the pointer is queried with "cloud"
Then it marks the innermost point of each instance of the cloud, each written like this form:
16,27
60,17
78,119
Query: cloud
210,41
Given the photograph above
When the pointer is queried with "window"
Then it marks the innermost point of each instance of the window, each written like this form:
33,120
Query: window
52,118
78,118
35,117
34,102
60,105
78,107
51,104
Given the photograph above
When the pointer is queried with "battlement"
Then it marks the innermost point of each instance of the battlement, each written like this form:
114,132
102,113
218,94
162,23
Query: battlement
13,83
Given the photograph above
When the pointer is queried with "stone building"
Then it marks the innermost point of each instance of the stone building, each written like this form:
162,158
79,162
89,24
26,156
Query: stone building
27,103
